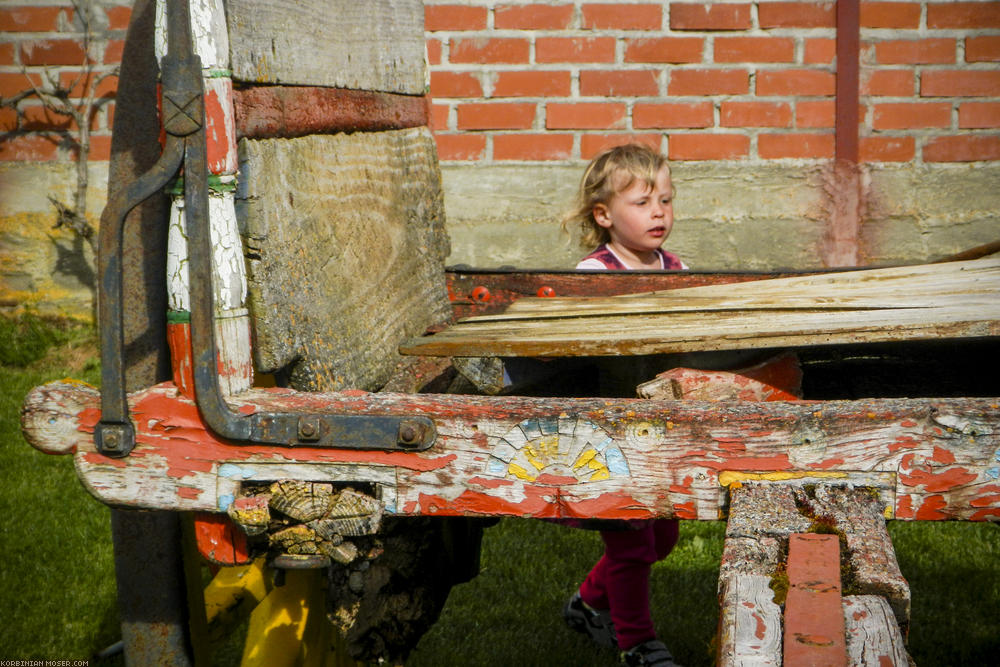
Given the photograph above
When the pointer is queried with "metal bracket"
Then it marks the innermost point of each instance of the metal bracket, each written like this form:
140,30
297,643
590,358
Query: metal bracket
184,121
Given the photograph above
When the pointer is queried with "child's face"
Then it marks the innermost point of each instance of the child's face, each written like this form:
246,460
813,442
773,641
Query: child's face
639,218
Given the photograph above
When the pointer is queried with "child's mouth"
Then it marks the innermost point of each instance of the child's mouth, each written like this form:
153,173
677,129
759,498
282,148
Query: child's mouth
657,231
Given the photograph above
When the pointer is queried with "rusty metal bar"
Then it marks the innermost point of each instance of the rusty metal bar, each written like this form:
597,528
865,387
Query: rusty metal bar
848,44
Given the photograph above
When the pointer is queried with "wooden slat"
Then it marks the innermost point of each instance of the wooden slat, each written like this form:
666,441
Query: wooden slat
549,457
953,300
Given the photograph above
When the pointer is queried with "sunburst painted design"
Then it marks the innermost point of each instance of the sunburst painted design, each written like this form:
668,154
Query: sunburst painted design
558,446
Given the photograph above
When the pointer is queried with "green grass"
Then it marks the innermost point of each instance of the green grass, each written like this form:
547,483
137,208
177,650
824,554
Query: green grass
57,590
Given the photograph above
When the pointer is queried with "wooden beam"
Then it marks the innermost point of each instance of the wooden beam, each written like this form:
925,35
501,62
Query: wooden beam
547,457
954,300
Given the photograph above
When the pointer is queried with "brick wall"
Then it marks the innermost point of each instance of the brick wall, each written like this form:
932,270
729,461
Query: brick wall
43,42
745,81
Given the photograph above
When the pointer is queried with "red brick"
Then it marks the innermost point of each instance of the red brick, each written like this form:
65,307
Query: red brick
962,148
532,146
37,118
888,83
796,145
982,49
708,146
619,83
796,14
890,14
973,15
439,116
672,114
6,54
575,50
977,115
495,116
886,149
584,116
915,52
100,148
819,51
664,50
30,19
118,17
27,148
455,84
614,16
460,147
709,82
532,17
8,119
592,144
755,114
534,83
754,50
113,51
510,50
960,83
908,116
815,113
796,82
454,17
433,51
76,84
12,83
684,16
52,52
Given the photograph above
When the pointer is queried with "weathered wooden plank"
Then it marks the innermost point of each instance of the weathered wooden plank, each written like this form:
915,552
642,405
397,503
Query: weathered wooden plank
547,457
750,628
376,45
847,307
873,636
814,621
353,227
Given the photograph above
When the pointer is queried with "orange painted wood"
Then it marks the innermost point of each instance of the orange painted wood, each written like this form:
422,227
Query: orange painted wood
814,620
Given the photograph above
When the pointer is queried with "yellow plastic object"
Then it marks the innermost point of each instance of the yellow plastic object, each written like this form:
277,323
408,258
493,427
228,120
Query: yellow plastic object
233,594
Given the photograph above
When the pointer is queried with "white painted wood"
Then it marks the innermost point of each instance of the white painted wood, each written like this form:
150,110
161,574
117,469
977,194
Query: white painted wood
750,623
208,32
873,636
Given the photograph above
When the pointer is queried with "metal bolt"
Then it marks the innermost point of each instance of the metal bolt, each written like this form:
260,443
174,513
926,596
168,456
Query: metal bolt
410,433
111,440
309,428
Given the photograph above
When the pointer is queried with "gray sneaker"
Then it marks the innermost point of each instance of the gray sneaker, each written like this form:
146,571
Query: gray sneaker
652,653
594,623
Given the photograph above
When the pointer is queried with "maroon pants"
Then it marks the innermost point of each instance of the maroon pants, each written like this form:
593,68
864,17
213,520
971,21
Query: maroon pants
620,580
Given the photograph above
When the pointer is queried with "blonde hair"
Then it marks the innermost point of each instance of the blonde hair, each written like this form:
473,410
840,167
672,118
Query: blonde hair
609,173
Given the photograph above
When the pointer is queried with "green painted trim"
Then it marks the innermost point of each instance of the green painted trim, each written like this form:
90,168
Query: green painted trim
178,317
218,73
216,183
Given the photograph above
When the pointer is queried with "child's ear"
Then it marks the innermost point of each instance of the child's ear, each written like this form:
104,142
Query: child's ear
602,215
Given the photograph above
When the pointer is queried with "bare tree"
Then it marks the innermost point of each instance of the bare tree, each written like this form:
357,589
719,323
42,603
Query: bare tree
56,98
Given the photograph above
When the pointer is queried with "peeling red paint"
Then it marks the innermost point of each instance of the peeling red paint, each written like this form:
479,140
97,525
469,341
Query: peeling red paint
930,509
903,442
760,631
766,463
219,540
986,500
827,464
907,423
685,510
732,444
489,483
904,506
942,481
942,456
189,492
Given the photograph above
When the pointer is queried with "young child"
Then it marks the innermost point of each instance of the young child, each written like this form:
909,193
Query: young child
625,208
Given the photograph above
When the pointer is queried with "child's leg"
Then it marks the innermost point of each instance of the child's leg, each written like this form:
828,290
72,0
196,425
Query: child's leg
666,532
620,582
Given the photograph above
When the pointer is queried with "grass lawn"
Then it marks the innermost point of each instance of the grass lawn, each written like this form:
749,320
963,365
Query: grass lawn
57,590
